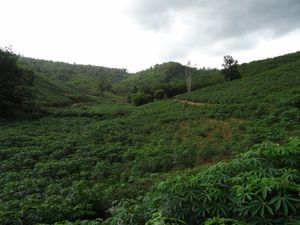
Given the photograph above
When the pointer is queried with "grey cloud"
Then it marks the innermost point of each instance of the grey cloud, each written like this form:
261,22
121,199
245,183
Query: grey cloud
157,14
239,23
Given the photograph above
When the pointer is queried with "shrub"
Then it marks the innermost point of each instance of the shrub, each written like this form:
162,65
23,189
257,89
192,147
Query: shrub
260,186
159,94
139,98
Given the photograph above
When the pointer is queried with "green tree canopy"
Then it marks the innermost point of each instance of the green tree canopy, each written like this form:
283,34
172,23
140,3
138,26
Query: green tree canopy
15,84
230,68
104,85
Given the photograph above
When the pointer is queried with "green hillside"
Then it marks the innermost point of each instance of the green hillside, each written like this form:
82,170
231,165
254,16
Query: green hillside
227,153
272,89
167,75
82,78
53,93
255,67
62,83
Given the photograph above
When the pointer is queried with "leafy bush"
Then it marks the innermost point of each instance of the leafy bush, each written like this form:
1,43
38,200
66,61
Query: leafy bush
260,186
16,86
159,94
139,98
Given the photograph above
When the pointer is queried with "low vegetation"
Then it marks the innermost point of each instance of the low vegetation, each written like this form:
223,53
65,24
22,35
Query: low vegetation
227,153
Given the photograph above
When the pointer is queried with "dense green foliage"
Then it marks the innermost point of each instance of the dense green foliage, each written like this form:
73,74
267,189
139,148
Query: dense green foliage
139,98
104,85
274,94
79,161
159,94
260,186
169,77
83,78
230,68
229,159
16,86
62,84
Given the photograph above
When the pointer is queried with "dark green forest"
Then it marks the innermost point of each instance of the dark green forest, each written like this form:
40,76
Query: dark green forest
89,145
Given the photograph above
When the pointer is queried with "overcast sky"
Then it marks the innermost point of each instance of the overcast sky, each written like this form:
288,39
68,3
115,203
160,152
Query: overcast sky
136,34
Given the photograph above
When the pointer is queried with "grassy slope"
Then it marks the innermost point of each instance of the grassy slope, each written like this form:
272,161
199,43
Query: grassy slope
270,98
73,164
259,66
62,84
58,82
269,82
270,89
53,93
82,78
171,73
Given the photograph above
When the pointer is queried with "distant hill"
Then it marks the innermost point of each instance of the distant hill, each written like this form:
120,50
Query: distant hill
83,78
170,73
62,83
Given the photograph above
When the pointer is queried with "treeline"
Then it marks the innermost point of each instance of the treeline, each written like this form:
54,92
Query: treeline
170,79
165,81
16,86
145,95
167,73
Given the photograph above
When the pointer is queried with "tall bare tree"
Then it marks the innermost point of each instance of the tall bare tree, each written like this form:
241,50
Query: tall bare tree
188,76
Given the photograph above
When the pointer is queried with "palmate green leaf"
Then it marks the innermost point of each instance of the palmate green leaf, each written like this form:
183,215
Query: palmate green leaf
285,203
219,209
240,193
270,210
276,200
223,221
157,218
285,208
265,189
294,221
263,221
258,207
291,205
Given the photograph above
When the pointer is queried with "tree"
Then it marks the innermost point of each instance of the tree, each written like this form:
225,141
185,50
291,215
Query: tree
159,94
104,85
16,85
230,69
139,98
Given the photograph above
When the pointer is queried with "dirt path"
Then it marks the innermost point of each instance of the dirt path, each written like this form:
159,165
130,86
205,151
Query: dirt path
192,103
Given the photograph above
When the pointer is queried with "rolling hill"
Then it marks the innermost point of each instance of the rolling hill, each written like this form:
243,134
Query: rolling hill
82,78
261,93
60,83
167,74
